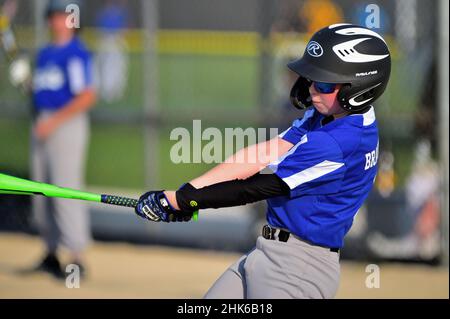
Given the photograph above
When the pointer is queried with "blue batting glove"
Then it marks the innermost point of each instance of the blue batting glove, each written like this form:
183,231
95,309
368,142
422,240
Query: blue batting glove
154,206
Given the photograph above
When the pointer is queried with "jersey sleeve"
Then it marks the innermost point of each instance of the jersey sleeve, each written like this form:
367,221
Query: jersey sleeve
80,73
313,166
299,128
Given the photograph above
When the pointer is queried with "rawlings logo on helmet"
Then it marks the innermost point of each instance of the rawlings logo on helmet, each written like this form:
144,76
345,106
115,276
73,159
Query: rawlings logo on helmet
367,73
314,49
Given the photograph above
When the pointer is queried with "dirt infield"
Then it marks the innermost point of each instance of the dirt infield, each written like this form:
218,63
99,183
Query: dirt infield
117,270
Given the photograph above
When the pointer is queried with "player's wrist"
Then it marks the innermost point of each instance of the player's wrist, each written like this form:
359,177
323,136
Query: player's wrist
171,200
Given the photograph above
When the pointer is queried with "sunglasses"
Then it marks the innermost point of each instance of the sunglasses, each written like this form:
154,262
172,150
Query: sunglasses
325,88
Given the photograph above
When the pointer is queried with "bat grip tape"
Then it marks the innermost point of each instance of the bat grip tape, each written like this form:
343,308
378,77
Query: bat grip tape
119,201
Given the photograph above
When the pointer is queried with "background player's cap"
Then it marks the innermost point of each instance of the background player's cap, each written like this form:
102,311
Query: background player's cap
344,53
54,6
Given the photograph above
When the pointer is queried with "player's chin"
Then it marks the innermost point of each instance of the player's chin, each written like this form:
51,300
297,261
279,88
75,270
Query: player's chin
320,108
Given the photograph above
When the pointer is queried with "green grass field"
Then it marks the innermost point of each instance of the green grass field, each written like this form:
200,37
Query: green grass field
115,158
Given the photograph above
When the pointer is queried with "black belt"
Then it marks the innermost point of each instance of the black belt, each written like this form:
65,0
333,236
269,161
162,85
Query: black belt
269,233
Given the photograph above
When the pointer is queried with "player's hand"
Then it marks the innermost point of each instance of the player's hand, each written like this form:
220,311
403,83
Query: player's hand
44,128
154,206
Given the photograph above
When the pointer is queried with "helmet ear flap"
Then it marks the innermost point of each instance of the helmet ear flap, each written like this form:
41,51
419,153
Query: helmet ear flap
299,95
343,95
348,93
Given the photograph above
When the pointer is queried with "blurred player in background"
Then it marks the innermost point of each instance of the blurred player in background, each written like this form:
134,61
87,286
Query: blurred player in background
62,93
316,14
111,62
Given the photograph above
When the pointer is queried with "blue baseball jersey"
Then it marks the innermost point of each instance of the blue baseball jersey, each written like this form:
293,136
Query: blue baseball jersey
330,170
61,73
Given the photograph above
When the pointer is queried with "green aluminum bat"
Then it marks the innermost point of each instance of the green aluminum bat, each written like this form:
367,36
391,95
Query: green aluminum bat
19,186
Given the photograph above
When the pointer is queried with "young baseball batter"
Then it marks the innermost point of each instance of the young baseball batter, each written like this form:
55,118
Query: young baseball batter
324,168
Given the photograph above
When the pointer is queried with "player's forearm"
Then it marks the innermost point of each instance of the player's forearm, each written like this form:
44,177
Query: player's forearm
235,167
244,163
79,104
230,193
226,171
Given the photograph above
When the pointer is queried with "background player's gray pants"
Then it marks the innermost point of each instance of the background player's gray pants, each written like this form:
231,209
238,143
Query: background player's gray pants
275,269
60,160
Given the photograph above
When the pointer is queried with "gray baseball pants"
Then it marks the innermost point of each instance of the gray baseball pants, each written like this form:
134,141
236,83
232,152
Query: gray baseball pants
60,160
280,270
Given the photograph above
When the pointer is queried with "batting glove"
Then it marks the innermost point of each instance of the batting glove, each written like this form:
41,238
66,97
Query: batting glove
154,206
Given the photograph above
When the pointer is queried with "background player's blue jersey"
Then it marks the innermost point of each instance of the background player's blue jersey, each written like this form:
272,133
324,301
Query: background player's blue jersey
61,73
330,171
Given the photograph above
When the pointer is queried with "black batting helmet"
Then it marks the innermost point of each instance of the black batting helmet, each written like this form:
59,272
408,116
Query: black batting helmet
347,54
